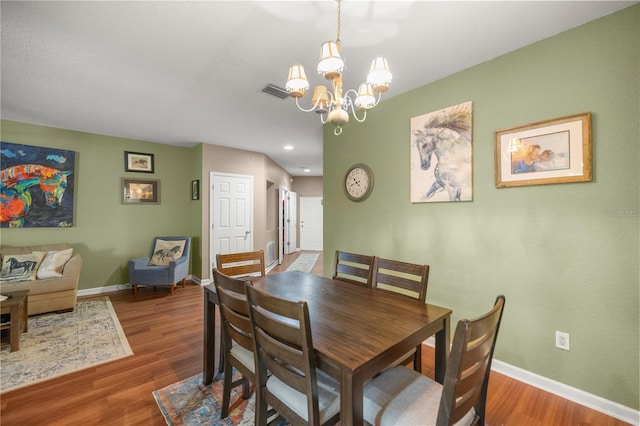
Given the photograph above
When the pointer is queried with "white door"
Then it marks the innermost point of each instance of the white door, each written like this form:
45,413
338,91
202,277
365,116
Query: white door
311,223
231,214
282,202
291,222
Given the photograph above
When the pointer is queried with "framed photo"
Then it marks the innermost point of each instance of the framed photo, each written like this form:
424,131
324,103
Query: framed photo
138,162
195,189
551,151
140,191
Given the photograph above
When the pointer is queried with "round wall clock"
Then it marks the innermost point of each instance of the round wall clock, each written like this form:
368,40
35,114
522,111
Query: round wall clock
358,182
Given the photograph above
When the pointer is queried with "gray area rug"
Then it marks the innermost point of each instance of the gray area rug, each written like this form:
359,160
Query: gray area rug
305,262
58,344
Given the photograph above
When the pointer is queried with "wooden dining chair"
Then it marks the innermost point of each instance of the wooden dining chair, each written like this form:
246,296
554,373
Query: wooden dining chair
243,264
287,376
237,338
353,268
403,396
409,279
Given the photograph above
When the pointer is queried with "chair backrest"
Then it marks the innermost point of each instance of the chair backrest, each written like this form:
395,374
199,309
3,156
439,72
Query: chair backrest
234,310
248,263
353,268
469,366
410,278
282,337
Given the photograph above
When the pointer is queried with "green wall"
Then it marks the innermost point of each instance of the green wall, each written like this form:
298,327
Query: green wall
107,233
567,255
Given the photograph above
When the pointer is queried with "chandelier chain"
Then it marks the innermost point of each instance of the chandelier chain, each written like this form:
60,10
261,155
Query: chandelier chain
338,26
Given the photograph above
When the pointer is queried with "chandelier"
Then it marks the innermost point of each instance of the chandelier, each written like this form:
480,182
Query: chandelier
334,106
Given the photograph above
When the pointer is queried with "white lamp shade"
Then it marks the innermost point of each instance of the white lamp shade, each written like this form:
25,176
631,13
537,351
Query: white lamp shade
366,99
321,98
379,75
297,84
331,64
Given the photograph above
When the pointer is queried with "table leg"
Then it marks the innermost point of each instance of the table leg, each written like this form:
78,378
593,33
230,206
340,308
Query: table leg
442,350
351,400
209,339
14,328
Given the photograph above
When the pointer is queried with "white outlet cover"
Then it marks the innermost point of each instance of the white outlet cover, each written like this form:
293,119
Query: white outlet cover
562,340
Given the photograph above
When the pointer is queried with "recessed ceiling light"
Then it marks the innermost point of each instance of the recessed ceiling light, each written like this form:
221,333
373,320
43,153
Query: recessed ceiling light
305,169
288,147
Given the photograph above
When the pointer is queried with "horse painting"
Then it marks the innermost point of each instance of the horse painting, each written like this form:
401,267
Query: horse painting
445,134
15,195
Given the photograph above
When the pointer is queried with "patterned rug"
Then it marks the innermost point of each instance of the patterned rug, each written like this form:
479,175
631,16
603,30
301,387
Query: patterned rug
189,402
305,262
58,344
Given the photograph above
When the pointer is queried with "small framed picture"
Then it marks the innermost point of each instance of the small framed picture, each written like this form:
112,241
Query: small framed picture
545,152
138,162
140,191
195,189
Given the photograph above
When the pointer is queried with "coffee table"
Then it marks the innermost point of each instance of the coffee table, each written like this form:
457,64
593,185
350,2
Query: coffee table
14,318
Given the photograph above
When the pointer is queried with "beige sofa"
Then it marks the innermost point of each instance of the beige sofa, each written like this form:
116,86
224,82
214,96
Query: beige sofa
49,294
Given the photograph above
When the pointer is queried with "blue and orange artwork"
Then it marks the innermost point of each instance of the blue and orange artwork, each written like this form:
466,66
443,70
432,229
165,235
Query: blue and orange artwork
36,186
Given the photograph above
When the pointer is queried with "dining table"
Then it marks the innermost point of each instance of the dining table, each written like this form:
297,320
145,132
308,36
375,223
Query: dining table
357,332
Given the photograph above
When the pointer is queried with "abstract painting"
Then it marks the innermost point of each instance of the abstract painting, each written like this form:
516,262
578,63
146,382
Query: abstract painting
441,155
36,186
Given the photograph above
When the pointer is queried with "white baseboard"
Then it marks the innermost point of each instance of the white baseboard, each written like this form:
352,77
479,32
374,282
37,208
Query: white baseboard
576,395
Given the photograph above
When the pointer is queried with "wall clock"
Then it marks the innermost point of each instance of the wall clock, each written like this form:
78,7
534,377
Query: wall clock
358,182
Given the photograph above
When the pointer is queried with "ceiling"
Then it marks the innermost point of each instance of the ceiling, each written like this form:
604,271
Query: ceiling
190,72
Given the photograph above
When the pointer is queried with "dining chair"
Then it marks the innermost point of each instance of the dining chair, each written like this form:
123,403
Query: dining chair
286,364
353,268
237,339
409,279
403,396
243,264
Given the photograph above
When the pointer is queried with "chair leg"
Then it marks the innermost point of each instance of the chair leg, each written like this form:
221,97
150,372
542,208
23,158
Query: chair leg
226,389
182,282
135,289
261,414
171,290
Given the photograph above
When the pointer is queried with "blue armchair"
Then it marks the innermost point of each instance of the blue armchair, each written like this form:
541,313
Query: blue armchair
168,264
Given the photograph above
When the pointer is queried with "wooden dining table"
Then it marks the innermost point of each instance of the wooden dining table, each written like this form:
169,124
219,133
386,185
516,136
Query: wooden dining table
357,332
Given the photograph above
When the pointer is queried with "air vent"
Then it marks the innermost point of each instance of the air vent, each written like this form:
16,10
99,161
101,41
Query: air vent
278,92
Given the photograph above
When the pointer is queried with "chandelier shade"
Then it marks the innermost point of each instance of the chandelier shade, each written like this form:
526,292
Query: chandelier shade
297,84
335,105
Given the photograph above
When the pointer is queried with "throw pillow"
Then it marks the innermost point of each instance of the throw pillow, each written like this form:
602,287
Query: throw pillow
165,251
53,263
20,267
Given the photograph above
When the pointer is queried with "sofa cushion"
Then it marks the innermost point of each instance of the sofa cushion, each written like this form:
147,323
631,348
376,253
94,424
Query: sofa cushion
165,251
20,267
53,263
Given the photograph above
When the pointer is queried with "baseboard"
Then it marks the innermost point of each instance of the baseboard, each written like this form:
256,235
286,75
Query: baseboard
576,395
127,286
105,289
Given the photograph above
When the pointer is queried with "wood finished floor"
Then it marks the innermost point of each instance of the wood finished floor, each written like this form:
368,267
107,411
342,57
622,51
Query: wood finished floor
165,333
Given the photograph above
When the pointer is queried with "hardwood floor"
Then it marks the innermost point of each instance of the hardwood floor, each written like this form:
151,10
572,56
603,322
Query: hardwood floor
165,333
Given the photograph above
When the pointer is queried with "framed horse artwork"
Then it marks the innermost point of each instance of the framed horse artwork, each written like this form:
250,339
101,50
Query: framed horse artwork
36,186
441,155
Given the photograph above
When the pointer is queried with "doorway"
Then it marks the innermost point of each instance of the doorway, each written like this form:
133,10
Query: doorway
311,223
231,214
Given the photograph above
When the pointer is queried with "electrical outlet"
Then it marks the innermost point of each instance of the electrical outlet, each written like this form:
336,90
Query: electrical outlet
562,340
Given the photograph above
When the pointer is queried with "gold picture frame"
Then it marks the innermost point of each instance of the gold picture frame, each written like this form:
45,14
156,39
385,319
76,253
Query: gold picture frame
545,152
140,191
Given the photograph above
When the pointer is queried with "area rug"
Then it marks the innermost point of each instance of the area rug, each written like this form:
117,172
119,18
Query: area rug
305,262
189,402
58,344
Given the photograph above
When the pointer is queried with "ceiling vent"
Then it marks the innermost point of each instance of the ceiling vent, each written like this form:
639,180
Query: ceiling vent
278,92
